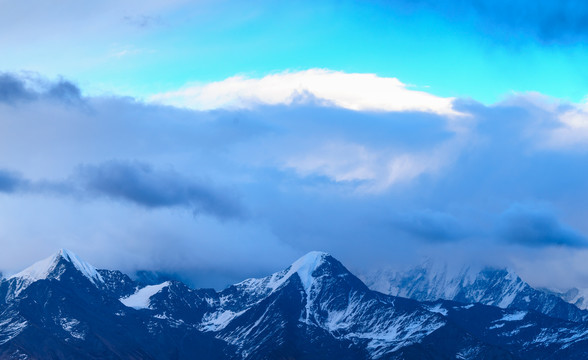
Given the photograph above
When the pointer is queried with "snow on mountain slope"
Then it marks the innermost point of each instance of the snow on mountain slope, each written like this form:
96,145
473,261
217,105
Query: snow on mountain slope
236,299
303,268
142,298
11,325
85,268
251,291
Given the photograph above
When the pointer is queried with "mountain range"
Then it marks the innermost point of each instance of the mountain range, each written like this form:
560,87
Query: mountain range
500,287
64,308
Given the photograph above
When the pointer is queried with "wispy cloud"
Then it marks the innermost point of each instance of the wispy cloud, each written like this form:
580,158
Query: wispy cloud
143,21
374,170
573,130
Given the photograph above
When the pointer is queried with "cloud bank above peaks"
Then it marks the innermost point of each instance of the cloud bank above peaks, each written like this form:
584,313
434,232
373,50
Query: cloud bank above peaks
275,180
353,91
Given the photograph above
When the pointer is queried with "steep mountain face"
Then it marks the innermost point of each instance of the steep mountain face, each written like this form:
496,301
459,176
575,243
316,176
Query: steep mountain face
488,286
320,297
63,308
116,283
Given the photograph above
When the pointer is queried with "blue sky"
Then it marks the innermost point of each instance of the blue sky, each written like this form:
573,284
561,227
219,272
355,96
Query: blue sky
223,139
140,48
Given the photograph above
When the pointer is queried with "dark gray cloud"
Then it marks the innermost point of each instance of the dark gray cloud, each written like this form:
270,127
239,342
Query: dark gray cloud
15,88
537,226
11,182
64,91
133,182
141,184
550,22
430,226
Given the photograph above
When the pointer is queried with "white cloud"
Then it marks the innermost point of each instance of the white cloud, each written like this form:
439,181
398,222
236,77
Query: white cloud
364,92
340,162
573,130
567,124
376,169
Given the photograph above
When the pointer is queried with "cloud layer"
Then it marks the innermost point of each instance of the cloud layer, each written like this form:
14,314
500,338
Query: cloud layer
119,181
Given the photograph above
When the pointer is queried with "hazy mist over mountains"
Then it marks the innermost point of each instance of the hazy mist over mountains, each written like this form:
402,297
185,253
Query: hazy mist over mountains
436,149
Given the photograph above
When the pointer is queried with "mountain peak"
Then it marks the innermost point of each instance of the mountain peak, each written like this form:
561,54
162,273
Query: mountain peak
64,253
44,269
306,265
315,254
85,268
310,261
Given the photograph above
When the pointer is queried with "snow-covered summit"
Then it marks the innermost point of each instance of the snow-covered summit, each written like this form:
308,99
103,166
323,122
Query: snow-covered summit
305,267
239,297
46,268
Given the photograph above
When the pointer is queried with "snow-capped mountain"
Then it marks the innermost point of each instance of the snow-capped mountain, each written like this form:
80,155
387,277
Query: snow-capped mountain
328,301
52,268
63,308
490,286
578,297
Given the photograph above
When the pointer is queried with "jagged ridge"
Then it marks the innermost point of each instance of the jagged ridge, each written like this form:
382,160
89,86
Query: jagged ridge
314,309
